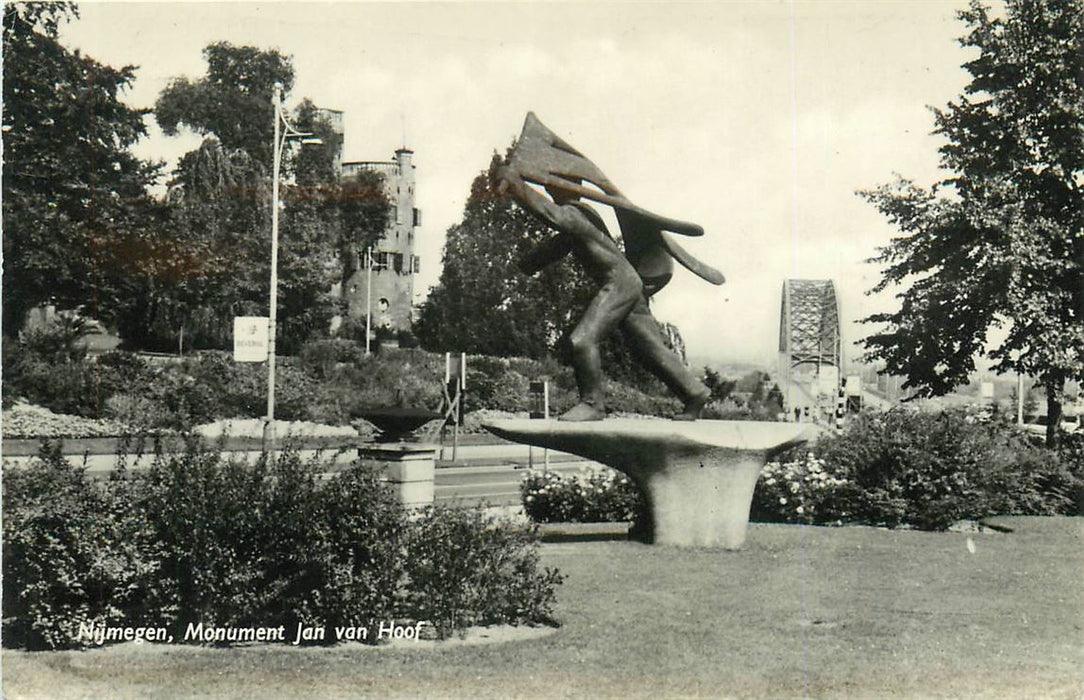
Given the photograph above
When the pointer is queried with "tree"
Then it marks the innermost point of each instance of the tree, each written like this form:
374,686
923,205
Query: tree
720,387
71,188
999,243
207,259
483,304
222,199
232,102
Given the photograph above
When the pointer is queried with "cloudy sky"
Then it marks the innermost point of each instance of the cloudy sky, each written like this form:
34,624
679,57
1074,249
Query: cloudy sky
757,120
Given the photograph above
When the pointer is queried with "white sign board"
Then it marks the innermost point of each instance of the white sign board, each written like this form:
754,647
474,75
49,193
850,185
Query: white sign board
250,338
986,390
854,385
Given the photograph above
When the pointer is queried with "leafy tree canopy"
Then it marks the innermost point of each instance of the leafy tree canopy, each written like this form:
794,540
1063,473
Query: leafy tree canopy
70,185
1000,241
221,209
232,101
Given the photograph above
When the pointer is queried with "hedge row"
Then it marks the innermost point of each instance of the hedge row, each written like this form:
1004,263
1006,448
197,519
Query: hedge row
201,539
330,381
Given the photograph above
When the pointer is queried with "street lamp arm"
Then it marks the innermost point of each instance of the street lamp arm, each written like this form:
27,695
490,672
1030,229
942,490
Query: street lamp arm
289,131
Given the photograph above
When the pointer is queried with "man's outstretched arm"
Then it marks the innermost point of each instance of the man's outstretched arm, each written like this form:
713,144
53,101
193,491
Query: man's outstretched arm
551,249
535,202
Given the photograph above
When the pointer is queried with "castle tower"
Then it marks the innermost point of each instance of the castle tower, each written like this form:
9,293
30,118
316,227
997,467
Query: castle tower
334,119
394,264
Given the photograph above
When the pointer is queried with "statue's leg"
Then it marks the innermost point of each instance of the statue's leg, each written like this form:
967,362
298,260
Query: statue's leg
612,304
647,343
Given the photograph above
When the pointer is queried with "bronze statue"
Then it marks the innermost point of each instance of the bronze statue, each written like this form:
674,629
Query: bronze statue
626,281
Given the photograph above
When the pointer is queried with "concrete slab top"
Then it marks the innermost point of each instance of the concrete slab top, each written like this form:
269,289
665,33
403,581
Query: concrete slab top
624,435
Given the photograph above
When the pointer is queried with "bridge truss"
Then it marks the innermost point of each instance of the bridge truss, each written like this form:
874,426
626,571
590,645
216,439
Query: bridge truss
810,349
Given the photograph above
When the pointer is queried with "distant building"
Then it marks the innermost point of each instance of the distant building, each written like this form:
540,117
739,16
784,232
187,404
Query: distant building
393,262
334,118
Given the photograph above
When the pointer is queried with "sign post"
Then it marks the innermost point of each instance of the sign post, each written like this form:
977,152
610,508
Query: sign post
455,385
540,408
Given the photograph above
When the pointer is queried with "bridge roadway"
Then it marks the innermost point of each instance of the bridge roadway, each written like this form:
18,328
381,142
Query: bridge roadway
481,473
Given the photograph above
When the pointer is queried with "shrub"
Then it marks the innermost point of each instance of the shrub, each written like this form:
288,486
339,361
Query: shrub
245,544
800,490
74,554
923,469
589,497
493,384
48,366
621,398
320,357
70,388
202,538
1071,456
138,411
363,572
121,370
466,568
58,342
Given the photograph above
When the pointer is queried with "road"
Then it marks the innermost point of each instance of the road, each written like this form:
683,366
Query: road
491,473
480,473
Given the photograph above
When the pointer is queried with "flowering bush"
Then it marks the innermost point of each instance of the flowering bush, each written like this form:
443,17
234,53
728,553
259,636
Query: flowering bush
588,497
923,469
800,490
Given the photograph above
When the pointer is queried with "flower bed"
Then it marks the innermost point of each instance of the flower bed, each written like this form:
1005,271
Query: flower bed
591,496
26,421
798,491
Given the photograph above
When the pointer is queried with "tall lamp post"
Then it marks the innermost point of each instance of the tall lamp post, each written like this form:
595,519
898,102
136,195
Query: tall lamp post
368,296
284,131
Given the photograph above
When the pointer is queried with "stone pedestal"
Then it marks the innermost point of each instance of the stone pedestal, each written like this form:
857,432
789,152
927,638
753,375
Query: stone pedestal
698,477
409,467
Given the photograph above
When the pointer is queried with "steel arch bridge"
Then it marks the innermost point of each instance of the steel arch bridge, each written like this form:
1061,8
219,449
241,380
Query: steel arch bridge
810,349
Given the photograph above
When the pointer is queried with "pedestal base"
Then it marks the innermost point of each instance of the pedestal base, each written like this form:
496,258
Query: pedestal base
698,477
409,467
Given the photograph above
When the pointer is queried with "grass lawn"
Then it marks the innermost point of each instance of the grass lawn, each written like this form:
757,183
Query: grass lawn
801,612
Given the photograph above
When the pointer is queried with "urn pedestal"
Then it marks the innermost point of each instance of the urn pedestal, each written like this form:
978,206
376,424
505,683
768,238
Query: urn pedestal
409,467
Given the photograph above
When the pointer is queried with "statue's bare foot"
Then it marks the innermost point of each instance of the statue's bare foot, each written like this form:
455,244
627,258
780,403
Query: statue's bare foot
583,412
693,406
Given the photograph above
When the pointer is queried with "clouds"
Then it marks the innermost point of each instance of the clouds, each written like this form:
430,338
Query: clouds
757,120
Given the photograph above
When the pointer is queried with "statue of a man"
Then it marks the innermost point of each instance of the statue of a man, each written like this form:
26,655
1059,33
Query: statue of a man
625,283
